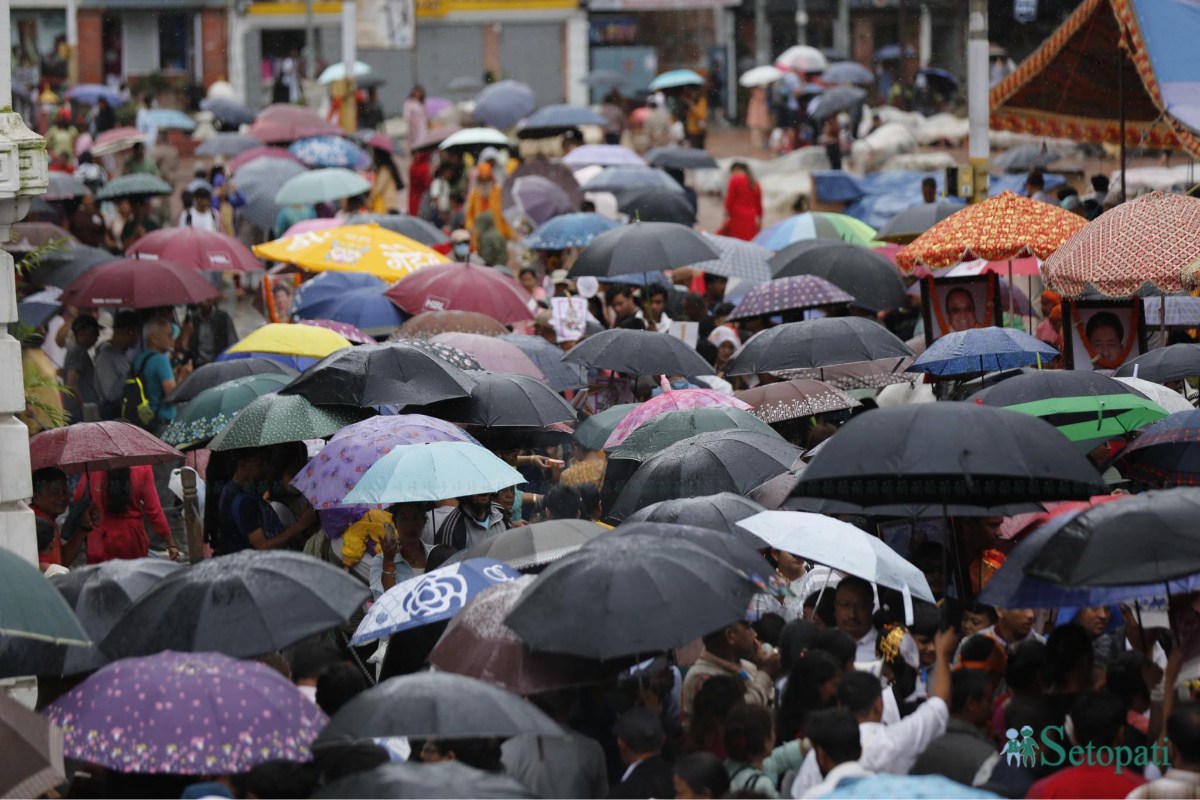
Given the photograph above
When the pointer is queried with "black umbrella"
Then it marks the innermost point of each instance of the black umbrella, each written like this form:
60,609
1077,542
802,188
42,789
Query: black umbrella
855,269
61,267
242,605
948,453
529,547
642,247
731,460
915,220
1166,453
447,779
630,595
816,505
434,705
99,594
656,204
219,372
836,100
718,512
1046,384
817,345
1164,364
737,547
680,158
391,373
1024,158
1148,538
414,228
638,353
502,400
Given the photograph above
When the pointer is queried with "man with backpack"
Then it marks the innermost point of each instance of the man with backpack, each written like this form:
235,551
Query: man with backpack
151,379
112,361
201,215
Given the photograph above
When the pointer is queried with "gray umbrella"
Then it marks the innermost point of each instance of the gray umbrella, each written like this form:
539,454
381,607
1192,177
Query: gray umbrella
638,353
836,100
414,228
656,204
859,271
818,343
63,187
133,186
448,779
228,144
738,259
1024,158
915,220
642,246
228,112
737,549
259,180
435,704
548,358
619,179
680,158
718,512
848,72
532,546
464,84
61,267
504,104
502,400
559,117
219,372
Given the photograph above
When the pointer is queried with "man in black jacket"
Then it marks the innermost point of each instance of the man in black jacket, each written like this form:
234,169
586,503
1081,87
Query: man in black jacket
640,739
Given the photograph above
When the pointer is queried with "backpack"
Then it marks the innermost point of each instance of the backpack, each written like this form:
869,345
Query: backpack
135,405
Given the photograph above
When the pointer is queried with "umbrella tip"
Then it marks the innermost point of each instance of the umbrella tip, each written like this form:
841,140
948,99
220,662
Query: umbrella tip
664,383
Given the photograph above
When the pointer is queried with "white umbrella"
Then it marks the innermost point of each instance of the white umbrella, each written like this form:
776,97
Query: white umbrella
841,546
1169,399
221,89
760,76
802,58
337,72
472,137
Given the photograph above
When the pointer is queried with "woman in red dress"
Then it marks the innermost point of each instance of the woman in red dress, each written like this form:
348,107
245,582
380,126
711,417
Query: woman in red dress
743,204
420,176
120,498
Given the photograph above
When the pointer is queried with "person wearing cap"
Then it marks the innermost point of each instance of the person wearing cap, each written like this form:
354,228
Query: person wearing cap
563,285
112,362
640,739
485,196
79,373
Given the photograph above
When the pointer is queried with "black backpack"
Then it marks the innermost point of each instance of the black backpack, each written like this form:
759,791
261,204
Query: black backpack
135,405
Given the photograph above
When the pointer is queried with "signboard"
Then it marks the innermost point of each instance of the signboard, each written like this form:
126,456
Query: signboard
569,317
659,5
386,24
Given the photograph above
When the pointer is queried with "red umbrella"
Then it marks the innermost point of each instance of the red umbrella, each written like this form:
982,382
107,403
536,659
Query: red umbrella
1021,525
193,247
246,156
98,446
462,287
134,283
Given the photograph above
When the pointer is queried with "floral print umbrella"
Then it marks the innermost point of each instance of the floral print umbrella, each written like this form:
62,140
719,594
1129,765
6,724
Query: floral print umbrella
789,294
673,400
211,410
329,151
186,714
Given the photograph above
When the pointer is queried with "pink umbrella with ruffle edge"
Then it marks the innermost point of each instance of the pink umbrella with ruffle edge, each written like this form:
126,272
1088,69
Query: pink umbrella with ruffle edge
670,400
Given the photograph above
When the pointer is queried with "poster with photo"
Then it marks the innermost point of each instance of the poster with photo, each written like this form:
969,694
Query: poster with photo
1101,335
278,293
959,304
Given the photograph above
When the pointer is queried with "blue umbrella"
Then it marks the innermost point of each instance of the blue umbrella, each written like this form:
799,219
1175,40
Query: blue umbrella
430,472
329,151
675,79
850,72
983,350
366,309
569,231
258,181
432,597
298,363
939,79
561,116
228,111
617,179
90,94
171,119
504,104
316,296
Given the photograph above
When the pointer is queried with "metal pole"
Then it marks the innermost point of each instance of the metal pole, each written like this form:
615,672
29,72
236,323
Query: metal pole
1121,109
72,43
349,116
802,22
310,42
762,33
841,31
978,108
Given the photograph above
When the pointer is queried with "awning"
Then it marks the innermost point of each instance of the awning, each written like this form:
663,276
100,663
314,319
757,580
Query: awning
1068,86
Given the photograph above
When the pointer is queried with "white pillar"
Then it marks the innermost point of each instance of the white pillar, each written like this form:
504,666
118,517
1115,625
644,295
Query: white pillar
925,36
762,33
578,59
349,35
978,102
841,31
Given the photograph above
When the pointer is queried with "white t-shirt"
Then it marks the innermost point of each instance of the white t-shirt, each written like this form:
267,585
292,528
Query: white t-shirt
201,220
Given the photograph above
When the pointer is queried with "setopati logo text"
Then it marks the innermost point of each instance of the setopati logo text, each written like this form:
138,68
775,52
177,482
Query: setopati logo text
1053,749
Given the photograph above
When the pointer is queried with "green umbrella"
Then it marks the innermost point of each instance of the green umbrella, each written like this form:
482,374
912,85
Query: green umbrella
278,418
1094,417
594,431
321,186
30,606
211,410
675,426
133,186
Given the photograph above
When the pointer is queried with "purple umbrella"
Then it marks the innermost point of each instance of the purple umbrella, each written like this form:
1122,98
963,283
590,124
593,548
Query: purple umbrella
328,477
602,155
436,105
789,294
540,198
186,714
351,333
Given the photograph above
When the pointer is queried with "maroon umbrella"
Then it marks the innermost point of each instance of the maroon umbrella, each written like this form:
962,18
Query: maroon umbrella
98,446
193,247
136,283
283,122
29,236
462,287
246,156
493,353
428,324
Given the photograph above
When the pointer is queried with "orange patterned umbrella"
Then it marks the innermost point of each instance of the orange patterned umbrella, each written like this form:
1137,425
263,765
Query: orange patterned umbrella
1000,228
1148,240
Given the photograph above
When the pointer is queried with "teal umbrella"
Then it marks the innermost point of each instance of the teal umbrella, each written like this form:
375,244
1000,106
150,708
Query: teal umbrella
430,472
211,410
30,606
675,426
321,186
278,418
594,431
133,186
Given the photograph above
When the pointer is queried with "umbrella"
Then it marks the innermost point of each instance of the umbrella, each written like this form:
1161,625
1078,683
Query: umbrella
434,137
62,186
61,267
196,248
801,58
656,204
208,412
670,427
231,113
602,155
257,181
760,76
982,350
414,228
620,179
504,103
1169,399
91,93
1095,548
284,122
718,512
463,287
478,644
605,79
794,399
815,225
219,372
530,547
793,293
739,550
594,431
316,297
562,376
680,158
451,355
508,401
135,283
1024,158
428,324
329,151
559,117
909,786
915,220
366,310
867,276
431,472
171,119
1181,311
33,752
836,100
850,72
133,186
629,595
891,52
370,249
438,705
738,259
1168,364
29,236
540,199
344,329
290,340
708,463
31,608
568,231
38,308
337,72
246,157
675,79
115,140
1166,453
558,174
470,138
948,453
819,346
494,353
136,716
939,80
435,596
1083,405
321,186
278,418
637,353
640,246
276,598
451,779
87,446
391,373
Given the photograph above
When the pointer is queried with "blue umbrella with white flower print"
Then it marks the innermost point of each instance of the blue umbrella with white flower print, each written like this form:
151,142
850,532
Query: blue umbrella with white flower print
794,293
329,151
208,412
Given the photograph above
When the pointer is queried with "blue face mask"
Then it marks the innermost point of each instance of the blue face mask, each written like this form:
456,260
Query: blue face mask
679,384
462,251
174,331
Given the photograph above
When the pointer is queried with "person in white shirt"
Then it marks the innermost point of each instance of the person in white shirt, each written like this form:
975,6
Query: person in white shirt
144,122
837,747
201,215
889,748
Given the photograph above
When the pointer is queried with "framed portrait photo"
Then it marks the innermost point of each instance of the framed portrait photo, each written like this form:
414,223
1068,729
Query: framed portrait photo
1102,335
959,304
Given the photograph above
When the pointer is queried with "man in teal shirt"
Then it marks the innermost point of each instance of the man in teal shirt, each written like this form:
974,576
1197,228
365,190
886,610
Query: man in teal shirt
153,366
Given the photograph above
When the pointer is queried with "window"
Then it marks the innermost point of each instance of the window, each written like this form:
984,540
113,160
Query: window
175,42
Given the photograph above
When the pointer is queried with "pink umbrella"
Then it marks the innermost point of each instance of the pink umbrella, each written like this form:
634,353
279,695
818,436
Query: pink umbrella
314,224
347,330
282,122
493,354
116,140
194,247
246,156
670,400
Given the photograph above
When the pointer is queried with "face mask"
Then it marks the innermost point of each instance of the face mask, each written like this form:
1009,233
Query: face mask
461,251
174,331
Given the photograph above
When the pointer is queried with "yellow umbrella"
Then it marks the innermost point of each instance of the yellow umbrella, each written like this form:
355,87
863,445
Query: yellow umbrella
305,341
372,249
